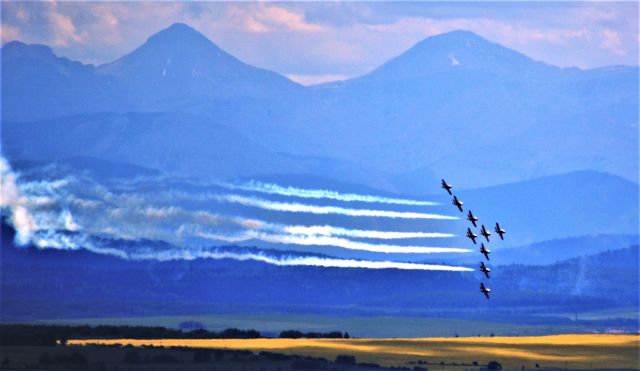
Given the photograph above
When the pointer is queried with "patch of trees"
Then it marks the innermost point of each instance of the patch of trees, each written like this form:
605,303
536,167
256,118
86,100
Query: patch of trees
50,335
293,334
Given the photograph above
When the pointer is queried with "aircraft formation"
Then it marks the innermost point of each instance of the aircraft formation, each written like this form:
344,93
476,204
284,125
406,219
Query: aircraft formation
472,236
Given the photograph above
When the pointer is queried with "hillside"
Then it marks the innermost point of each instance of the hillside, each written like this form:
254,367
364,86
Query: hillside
176,143
129,288
565,205
549,252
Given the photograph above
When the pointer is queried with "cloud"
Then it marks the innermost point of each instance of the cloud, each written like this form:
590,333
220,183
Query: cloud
611,40
242,20
290,20
10,33
64,30
266,18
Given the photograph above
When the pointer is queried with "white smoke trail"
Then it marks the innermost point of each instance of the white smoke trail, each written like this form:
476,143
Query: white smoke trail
58,241
11,198
173,224
313,209
315,261
313,240
327,230
269,188
70,213
294,207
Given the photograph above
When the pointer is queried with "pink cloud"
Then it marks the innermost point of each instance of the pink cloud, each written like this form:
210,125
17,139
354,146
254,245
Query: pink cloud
611,41
286,18
64,30
9,33
238,17
255,26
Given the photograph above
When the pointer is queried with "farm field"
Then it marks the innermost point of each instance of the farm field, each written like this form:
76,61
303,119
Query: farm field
573,351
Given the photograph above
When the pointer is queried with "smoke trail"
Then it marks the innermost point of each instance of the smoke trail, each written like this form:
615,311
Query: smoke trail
177,196
173,224
318,261
75,213
314,240
11,198
50,239
327,230
269,188
313,209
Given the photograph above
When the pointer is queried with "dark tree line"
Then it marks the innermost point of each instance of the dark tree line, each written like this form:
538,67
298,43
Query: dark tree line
293,334
49,335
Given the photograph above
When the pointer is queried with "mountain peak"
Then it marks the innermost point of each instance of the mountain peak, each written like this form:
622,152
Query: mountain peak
456,51
458,41
179,62
176,49
459,35
180,27
178,32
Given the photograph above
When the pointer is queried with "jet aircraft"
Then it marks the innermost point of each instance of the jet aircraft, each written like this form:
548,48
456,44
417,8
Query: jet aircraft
484,251
484,290
446,186
484,269
471,235
500,231
458,203
472,218
485,233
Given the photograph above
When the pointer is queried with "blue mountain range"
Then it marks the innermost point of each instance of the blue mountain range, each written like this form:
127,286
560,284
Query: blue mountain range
455,105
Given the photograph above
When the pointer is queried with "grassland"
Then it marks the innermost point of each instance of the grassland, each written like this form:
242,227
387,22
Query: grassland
582,351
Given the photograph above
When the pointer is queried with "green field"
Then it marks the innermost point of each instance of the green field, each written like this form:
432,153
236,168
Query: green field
374,327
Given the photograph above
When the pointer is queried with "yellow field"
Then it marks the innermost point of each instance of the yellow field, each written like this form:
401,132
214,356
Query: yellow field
572,351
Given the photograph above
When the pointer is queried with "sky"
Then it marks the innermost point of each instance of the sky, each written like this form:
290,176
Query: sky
312,42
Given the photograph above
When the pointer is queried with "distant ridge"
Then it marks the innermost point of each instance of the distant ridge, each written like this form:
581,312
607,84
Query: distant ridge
580,203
